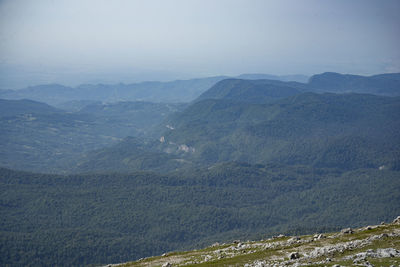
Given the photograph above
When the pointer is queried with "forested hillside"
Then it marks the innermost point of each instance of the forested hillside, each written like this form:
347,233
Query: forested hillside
257,91
37,137
349,131
77,220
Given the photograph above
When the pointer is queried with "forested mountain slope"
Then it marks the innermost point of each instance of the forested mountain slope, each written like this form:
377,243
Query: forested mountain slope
253,91
347,130
35,136
77,220
23,107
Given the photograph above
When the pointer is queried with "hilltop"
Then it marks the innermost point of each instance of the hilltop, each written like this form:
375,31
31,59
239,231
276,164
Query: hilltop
377,245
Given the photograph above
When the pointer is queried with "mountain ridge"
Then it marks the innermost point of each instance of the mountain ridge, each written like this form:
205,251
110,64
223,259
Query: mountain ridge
188,90
254,91
383,84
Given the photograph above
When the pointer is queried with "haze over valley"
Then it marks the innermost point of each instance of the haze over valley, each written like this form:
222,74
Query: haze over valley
130,129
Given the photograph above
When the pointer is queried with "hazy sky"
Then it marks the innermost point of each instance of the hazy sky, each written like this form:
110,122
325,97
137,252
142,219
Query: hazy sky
63,39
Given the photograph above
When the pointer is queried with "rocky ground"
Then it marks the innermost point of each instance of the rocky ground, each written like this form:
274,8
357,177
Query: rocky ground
377,245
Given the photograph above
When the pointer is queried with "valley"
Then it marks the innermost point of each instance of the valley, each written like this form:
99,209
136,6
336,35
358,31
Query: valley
103,180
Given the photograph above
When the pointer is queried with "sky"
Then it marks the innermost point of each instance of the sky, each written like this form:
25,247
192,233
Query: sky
84,41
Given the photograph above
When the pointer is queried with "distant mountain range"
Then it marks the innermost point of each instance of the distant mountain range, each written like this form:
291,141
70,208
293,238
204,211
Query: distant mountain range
188,90
261,121
285,78
174,91
256,121
382,84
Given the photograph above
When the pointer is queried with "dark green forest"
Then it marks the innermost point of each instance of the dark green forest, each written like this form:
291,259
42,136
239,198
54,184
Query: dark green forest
76,220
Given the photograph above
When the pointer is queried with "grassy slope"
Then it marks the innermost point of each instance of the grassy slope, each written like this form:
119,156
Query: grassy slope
333,248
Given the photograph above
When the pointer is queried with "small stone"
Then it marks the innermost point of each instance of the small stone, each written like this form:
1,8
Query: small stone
207,258
359,260
293,239
347,231
397,220
294,255
167,264
321,236
384,235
